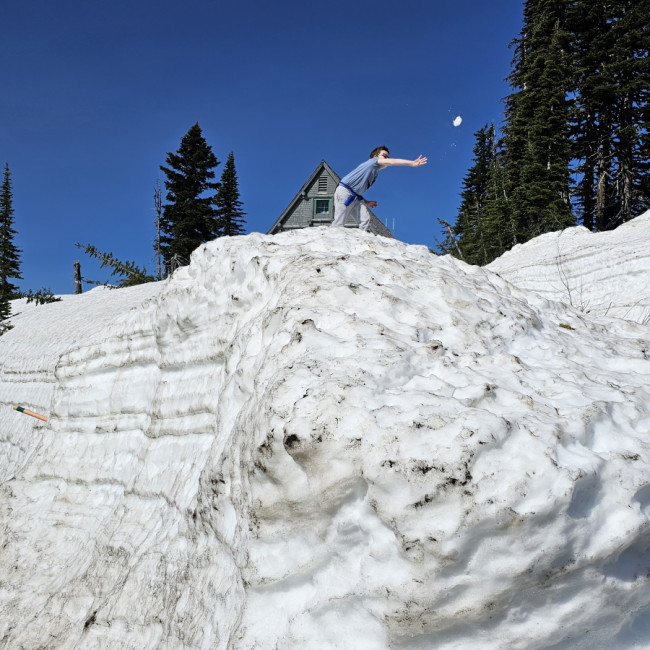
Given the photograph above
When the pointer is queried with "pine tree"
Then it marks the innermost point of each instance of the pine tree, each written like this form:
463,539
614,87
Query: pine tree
9,253
581,85
536,134
157,204
131,274
611,114
484,228
229,213
500,227
593,114
189,219
467,239
41,297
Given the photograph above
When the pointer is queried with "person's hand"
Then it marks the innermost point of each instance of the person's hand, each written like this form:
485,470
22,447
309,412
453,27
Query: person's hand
371,204
420,160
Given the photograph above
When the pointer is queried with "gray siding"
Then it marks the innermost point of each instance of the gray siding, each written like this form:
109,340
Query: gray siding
300,212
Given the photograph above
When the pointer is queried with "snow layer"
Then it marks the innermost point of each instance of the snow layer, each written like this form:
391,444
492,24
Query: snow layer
602,273
324,439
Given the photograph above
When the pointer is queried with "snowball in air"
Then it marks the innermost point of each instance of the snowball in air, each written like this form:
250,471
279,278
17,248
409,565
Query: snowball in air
458,121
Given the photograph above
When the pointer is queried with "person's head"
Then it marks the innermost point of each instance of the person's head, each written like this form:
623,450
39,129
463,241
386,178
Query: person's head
380,152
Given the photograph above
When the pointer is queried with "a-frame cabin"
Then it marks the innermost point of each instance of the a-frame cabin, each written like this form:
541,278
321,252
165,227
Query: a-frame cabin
314,205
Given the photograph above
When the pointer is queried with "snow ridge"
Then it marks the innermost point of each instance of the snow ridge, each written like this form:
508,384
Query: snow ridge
324,439
602,274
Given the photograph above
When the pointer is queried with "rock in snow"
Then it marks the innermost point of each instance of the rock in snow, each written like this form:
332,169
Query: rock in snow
323,439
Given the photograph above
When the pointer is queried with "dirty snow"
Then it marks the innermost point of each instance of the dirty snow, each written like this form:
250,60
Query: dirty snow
326,439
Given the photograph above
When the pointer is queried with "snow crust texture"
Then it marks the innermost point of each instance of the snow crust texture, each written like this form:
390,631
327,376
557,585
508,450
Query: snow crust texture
323,439
602,274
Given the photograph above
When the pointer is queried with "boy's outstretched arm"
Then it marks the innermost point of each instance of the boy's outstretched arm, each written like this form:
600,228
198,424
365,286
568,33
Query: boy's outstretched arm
420,160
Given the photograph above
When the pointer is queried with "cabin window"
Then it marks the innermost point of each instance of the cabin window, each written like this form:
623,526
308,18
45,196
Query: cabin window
322,206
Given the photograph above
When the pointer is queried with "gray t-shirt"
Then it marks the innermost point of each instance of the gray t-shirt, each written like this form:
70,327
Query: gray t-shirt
361,178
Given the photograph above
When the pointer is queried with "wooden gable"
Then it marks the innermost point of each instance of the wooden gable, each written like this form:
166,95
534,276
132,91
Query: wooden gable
314,205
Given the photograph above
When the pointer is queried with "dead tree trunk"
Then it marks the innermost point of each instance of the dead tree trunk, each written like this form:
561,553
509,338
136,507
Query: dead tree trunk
77,277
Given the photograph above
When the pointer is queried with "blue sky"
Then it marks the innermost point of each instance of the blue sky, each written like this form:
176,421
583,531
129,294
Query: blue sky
94,93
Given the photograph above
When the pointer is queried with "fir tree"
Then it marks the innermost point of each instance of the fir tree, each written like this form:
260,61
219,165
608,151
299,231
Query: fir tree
129,274
536,134
189,219
41,297
157,203
500,227
9,253
581,84
593,114
467,239
611,114
229,213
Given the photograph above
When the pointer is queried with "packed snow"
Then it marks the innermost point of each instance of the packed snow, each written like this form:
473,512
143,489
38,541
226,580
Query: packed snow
602,274
458,120
325,439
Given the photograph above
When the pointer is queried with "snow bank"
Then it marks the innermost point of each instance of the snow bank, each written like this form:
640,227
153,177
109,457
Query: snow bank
323,439
603,273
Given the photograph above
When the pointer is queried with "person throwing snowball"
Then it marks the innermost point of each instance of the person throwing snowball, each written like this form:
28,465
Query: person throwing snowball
348,198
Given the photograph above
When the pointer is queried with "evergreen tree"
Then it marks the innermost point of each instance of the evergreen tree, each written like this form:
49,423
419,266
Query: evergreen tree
500,227
9,253
131,274
41,297
581,84
229,213
157,203
467,239
611,114
189,219
537,151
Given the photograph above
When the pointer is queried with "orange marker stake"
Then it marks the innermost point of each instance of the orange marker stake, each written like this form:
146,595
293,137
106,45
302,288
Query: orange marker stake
38,416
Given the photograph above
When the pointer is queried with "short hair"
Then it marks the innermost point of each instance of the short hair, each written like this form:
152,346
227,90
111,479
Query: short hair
375,152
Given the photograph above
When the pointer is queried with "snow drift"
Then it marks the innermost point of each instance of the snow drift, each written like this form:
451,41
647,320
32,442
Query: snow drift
602,274
323,439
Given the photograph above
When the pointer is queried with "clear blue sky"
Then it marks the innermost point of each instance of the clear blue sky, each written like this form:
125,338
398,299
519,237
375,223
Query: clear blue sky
94,93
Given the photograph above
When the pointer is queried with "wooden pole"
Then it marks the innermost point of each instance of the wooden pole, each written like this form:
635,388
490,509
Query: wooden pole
38,416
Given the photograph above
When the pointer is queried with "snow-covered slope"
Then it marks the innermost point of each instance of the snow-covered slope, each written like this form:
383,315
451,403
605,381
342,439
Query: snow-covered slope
602,273
323,439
